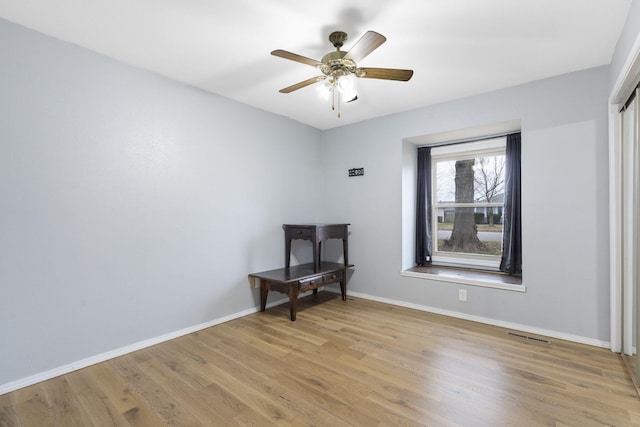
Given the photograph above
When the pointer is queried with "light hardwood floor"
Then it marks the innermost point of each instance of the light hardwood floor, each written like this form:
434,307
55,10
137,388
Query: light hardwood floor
358,363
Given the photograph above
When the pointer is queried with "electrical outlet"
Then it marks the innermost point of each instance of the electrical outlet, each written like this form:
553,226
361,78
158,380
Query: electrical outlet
462,295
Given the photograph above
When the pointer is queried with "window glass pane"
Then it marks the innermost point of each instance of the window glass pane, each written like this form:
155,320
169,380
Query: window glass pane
489,179
479,179
469,230
445,178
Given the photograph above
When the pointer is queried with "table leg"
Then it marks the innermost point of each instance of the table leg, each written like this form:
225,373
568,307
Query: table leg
287,252
343,287
345,249
316,254
293,302
264,290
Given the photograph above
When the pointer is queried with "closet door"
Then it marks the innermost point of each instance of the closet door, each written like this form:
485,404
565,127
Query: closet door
630,256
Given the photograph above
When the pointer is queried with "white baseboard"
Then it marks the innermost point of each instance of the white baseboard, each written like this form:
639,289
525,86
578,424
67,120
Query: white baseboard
52,373
74,366
486,320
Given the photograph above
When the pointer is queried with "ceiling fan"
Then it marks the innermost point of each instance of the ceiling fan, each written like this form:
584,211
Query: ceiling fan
338,67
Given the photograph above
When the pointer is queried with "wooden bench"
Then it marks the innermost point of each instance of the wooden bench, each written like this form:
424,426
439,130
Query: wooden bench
293,280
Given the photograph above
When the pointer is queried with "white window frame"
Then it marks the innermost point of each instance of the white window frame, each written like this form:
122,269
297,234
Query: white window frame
467,150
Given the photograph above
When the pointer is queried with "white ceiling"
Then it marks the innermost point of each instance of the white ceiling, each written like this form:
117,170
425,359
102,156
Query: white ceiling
457,48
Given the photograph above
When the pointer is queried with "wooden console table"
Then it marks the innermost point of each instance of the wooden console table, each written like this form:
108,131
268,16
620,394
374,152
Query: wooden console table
300,278
316,233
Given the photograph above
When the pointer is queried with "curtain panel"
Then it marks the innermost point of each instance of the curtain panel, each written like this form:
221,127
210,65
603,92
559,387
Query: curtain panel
423,208
511,261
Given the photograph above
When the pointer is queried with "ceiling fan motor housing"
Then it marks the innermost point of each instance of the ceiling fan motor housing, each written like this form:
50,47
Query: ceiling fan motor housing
334,64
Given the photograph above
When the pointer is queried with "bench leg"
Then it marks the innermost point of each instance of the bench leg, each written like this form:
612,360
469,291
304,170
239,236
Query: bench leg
293,302
264,290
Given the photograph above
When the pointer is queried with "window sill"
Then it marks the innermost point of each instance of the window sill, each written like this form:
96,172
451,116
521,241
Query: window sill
487,279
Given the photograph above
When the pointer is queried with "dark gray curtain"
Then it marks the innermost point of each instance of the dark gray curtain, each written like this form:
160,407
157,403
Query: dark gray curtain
511,261
423,208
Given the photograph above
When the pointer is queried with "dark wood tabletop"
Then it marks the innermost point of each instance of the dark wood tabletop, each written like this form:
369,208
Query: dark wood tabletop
298,272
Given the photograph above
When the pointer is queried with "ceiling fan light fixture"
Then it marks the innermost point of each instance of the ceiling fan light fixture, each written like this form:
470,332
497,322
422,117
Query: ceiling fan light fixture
339,68
347,87
345,83
325,90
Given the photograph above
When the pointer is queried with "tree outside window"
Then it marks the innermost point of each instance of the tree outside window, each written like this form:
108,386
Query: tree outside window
468,189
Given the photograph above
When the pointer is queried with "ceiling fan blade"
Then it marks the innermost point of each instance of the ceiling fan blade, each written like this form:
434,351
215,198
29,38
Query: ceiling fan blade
302,84
384,73
363,47
295,57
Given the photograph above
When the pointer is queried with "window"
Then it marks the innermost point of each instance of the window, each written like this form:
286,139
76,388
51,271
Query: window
468,196
430,206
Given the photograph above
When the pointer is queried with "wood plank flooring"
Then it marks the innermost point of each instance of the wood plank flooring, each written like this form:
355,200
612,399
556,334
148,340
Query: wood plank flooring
353,363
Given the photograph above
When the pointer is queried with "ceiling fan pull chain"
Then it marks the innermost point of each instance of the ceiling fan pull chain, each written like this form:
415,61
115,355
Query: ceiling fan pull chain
333,99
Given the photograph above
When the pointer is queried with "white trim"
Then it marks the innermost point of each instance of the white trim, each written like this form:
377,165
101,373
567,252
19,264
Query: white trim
472,133
469,205
507,325
615,228
484,146
455,259
99,358
628,155
464,281
65,369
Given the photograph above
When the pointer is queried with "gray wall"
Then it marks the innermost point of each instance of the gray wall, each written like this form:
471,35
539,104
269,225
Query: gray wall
565,203
131,206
